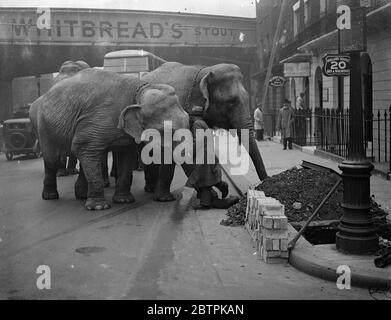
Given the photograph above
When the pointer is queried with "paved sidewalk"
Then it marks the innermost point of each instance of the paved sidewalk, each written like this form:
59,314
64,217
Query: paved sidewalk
323,261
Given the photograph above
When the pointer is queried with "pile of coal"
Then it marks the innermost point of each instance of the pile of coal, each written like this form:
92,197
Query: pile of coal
301,191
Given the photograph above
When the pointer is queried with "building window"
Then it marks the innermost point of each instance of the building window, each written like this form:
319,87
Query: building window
307,12
296,18
323,8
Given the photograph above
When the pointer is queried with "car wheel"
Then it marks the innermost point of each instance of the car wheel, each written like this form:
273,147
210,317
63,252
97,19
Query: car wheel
18,140
9,156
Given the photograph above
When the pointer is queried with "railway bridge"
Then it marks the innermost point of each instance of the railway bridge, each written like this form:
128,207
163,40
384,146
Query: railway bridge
35,41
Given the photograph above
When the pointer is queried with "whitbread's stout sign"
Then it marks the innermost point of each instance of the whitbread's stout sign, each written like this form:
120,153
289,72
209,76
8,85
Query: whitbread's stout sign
336,65
114,27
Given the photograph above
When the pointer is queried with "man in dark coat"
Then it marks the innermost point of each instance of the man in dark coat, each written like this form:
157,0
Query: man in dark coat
285,124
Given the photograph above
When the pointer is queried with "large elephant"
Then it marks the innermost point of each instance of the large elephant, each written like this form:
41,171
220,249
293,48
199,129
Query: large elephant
94,111
219,90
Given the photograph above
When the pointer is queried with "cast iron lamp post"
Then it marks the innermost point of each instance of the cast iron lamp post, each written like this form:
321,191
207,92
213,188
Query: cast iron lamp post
357,234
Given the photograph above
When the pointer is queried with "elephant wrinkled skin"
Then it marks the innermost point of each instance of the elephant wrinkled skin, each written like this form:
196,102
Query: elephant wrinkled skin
94,111
67,70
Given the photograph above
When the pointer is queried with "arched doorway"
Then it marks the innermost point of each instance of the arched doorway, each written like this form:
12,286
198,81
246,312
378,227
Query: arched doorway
319,88
367,95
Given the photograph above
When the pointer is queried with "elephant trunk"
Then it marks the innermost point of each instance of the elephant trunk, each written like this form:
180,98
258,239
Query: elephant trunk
252,147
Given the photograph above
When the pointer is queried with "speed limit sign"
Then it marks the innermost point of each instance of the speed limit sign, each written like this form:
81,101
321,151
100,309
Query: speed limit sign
336,65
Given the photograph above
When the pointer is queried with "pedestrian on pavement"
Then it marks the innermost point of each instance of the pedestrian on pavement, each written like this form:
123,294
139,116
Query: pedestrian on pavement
258,123
285,124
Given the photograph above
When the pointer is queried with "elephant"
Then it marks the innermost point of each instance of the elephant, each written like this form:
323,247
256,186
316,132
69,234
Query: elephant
67,70
92,112
218,89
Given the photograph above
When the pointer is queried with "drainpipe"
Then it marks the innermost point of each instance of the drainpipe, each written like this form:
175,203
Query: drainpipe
277,36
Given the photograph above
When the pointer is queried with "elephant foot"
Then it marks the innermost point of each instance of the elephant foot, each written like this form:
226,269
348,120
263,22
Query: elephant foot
149,189
62,173
97,204
106,183
123,198
164,197
50,195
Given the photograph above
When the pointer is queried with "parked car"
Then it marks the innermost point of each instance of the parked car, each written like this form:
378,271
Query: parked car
20,138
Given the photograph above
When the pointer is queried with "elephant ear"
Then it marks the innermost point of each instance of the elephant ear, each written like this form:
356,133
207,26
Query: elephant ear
130,122
205,89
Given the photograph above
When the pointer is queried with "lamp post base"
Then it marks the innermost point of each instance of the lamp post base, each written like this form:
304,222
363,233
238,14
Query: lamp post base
357,246
357,233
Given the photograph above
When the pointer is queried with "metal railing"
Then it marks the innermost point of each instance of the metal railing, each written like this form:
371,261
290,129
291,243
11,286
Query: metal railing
303,128
328,130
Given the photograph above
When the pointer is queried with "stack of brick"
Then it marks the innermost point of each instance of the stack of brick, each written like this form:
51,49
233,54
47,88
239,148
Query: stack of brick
268,226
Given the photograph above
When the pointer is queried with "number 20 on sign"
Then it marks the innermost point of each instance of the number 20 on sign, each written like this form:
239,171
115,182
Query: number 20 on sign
336,65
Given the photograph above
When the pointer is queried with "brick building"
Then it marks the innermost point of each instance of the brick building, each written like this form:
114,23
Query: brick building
309,32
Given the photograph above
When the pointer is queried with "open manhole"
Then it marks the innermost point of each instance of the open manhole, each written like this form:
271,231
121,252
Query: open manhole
321,235
319,232
325,232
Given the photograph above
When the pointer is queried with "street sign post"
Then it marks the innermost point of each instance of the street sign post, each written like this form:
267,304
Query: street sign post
336,65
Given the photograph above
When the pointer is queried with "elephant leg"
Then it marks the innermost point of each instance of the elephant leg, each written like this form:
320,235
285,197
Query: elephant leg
139,164
62,170
105,170
162,190
125,161
113,172
50,181
151,174
92,168
72,161
81,185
